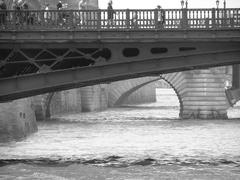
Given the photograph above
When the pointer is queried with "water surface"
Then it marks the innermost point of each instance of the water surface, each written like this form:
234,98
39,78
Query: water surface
135,142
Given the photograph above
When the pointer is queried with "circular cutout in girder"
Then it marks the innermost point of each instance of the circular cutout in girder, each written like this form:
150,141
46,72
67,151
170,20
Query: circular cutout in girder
131,52
157,50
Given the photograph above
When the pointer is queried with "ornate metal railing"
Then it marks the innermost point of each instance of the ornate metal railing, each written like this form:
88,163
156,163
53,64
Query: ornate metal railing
128,19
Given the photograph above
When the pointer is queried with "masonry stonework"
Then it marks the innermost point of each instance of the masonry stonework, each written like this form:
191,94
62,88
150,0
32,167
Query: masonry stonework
17,120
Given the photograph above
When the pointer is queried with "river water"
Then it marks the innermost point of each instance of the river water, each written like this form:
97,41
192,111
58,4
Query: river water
132,143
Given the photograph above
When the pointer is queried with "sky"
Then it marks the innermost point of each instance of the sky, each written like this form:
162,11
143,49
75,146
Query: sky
167,4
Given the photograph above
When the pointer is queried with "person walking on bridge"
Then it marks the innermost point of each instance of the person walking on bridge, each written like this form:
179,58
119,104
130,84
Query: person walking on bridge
110,13
160,17
3,13
60,15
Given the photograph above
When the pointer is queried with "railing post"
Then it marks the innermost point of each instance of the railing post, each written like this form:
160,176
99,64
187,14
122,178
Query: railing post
71,22
213,18
128,18
99,20
14,19
232,22
156,19
224,18
42,20
184,18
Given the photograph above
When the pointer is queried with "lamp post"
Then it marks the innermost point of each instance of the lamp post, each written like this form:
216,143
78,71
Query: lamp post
182,3
217,3
225,13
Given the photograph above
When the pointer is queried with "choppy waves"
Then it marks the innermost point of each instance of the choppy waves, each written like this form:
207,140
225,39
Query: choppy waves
118,161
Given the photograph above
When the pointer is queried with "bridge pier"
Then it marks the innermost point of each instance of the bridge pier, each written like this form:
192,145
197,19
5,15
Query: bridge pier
63,102
94,98
233,94
204,95
39,107
17,119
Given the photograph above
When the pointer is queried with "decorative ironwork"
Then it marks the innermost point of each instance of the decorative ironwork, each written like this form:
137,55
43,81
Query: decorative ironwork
95,20
14,62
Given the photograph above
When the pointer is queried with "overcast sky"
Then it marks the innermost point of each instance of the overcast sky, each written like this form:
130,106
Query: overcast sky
168,4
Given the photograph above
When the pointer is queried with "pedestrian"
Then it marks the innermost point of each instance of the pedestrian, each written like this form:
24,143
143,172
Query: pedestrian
59,5
60,15
25,8
160,17
46,13
17,12
3,13
110,13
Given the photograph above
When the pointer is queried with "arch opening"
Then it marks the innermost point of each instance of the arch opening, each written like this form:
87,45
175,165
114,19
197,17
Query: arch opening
165,94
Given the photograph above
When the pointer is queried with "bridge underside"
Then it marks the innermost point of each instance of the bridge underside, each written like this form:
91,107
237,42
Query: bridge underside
35,68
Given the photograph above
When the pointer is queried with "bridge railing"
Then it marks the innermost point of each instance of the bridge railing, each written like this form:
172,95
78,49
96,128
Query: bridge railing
130,19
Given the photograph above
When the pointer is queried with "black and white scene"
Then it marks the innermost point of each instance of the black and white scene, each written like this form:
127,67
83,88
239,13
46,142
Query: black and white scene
119,90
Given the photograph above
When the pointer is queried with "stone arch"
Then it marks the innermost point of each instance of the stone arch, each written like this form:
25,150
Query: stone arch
122,92
174,80
117,89
129,92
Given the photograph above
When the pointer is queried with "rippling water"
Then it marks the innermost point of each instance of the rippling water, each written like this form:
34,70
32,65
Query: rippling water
140,142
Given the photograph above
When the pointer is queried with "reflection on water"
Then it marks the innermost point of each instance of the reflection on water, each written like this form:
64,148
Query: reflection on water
141,142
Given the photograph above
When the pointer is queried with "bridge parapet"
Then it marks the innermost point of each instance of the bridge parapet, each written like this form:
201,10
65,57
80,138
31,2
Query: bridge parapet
124,19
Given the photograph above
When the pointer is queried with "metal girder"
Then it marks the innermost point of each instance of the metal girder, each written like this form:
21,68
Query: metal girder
34,84
120,36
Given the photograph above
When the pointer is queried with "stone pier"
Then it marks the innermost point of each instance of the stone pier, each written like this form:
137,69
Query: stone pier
201,93
17,120
204,96
94,98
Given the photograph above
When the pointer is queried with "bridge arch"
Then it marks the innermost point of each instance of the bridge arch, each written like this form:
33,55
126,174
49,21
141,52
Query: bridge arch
118,95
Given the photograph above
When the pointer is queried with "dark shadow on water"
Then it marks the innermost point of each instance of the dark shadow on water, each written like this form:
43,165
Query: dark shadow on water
118,161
